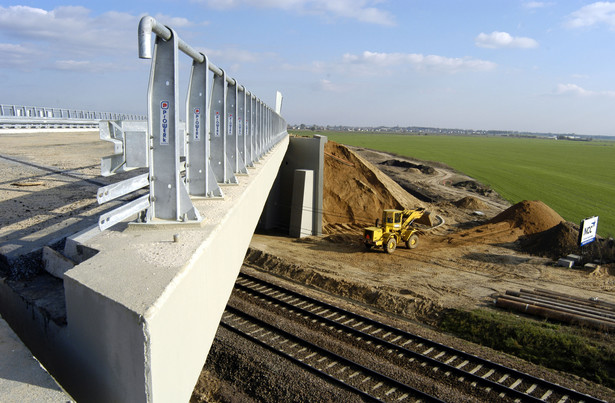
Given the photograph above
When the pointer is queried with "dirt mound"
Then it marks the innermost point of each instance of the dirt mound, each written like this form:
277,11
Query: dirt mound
391,299
522,219
554,243
530,216
470,202
409,165
563,239
355,191
474,186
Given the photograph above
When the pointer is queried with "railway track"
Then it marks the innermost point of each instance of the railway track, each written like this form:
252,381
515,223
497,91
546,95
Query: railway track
365,382
402,348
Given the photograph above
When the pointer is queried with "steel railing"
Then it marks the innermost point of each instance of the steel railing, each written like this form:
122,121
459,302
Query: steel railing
226,130
23,117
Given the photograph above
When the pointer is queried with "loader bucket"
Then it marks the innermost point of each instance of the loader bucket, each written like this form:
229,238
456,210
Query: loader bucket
425,219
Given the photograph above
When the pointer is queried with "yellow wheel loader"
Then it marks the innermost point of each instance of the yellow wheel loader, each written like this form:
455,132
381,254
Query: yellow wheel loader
396,227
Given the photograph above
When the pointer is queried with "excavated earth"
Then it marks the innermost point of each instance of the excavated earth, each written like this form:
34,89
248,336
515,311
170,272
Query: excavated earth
479,244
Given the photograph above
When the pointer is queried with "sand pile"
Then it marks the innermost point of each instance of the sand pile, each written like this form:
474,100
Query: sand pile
522,219
470,202
530,216
355,191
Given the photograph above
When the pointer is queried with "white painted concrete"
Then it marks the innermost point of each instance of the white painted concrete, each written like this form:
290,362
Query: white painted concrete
145,309
302,206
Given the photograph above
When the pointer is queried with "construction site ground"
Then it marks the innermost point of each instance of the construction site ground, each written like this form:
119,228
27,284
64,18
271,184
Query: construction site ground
459,264
477,246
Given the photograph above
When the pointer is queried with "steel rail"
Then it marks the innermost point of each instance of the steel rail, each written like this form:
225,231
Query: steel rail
429,343
321,351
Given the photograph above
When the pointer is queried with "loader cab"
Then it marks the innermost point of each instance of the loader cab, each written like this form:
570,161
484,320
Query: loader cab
392,219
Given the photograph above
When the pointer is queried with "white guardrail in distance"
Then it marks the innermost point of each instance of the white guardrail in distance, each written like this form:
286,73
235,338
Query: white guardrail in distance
33,117
226,130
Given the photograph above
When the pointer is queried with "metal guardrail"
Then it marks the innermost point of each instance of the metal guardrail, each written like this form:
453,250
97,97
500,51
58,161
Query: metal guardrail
226,130
22,117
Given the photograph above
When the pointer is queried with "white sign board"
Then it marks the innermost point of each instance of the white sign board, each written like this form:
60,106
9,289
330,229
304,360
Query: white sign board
588,231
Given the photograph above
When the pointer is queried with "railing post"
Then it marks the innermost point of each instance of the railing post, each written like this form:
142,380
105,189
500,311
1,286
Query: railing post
169,197
257,129
253,129
200,177
261,128
241,138
231,130
219,126
248,132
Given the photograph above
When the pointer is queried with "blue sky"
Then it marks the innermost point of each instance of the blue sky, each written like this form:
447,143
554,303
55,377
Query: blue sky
545,66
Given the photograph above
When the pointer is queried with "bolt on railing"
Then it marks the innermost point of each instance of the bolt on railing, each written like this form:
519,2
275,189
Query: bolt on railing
226,130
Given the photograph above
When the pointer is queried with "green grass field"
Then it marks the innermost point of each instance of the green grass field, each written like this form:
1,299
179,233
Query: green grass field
576,179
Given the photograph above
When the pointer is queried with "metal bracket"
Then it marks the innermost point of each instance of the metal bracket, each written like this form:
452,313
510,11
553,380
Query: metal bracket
129,140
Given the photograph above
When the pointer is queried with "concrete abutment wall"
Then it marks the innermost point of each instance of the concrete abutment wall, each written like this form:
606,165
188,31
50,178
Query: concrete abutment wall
303,153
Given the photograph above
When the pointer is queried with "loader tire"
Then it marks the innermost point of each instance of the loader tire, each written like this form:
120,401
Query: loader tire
391,245
412,242
368,246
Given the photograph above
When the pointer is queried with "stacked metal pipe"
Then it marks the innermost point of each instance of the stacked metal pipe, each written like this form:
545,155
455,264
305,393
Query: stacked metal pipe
590,312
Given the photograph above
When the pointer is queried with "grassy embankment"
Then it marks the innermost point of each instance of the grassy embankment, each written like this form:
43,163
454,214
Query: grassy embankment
583,352
576,179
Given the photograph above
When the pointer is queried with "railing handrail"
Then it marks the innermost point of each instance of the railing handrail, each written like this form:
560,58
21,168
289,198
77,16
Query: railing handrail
149,25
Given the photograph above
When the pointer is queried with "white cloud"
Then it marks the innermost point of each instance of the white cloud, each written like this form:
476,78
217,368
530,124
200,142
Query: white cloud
498,40
174,22
84,66
12,55
537,4
360,10
572,89
72,38
370,61
235,55
602,12
575,90
329,86
70,28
